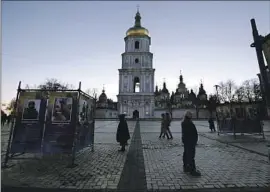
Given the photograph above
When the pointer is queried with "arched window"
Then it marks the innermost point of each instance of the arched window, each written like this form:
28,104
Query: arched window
137,60
137,44
136,85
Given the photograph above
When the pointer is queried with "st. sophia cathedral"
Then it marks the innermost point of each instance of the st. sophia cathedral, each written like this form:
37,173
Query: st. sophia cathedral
137,92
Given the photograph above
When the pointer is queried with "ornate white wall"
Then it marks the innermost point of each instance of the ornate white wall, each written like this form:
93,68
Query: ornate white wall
137,63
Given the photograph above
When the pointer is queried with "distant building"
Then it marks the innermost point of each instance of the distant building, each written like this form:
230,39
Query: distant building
106,108
181,100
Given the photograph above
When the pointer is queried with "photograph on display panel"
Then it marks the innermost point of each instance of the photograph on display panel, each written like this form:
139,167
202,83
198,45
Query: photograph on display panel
62,109
83,110
90,109
31,109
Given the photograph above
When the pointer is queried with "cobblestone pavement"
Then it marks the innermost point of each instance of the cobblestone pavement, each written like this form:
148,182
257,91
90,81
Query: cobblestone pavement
252,143
221,165
133,176
149,163
96,170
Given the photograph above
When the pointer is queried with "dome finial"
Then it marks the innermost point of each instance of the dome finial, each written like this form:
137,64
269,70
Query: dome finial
138,18
103,90
138,8
181,77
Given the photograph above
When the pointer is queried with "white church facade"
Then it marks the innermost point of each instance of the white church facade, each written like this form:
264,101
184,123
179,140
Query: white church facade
138,95
136,76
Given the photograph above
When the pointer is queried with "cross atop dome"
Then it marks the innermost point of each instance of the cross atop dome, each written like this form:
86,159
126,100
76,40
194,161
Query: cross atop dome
103,90
138,19
137,29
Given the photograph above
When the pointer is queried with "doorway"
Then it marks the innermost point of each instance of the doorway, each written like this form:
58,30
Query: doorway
136,114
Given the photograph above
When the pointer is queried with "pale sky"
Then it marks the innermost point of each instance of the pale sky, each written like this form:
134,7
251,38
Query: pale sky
83,41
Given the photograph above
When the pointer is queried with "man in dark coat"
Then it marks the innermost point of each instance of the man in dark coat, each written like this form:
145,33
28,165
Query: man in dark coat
211,124
122,135
189,139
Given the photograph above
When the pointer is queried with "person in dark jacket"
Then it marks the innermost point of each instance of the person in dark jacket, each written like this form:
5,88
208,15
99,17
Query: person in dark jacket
168,124
9,119
189,139
163,130
122,135
211,124
3,118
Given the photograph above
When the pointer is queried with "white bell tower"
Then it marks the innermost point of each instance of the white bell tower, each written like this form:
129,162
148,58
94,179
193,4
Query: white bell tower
136,76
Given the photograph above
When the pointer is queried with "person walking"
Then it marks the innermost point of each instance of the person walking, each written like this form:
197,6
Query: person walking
163,130
122,135
211,124
168,124
3,118
189,139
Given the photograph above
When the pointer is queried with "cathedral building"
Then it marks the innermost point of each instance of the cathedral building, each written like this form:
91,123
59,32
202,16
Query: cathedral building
179,101
137,93
182,98
136,76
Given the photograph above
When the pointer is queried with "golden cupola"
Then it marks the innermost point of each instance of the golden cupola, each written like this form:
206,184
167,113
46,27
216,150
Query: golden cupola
137,30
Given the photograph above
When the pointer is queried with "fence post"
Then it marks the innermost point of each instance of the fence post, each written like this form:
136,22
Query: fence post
233,122
94,121
72,164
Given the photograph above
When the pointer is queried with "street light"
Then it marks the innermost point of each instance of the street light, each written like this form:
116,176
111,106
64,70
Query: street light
217,86
217,100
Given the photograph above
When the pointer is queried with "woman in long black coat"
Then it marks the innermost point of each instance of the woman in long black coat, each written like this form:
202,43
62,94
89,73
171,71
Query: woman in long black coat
122,135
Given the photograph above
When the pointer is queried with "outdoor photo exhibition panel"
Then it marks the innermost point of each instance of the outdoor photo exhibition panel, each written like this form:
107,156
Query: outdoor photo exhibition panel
85,128
29,123
60,122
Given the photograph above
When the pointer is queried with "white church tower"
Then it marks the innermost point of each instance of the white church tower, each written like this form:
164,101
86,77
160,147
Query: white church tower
136,77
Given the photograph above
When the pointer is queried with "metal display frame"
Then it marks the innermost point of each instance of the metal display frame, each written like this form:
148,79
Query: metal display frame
74,144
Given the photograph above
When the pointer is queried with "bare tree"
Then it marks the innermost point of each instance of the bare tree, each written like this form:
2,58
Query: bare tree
240,94
222,92
92,92
27,86
230,90
54,84
252,91
247,90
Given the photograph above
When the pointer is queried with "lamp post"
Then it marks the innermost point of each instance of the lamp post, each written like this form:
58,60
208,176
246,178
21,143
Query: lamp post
258,41
217,101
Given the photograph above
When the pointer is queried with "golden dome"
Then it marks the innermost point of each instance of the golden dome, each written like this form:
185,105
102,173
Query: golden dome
137,30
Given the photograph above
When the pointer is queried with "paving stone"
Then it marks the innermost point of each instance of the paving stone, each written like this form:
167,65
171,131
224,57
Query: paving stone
103,164
159,161
221,165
